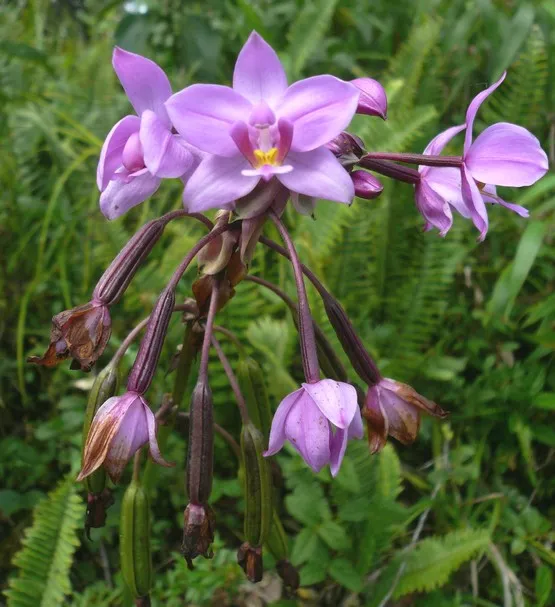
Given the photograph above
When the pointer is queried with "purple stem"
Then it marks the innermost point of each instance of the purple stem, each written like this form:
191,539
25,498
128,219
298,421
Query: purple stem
391,169
232,381
208,331
427,160
306,328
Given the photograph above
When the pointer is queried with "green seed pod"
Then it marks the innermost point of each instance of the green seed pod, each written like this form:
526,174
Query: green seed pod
134,540
276,542
258,487
104,387
253,387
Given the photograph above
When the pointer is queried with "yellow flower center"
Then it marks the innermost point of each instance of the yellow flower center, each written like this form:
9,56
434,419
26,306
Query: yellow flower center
266,158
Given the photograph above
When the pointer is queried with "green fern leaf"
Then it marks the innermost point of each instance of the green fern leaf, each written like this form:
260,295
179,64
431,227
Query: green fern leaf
45,560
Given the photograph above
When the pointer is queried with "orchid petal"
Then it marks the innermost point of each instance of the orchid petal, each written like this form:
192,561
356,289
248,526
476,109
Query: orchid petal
218,181
145,83
475,203
112,149
506,154
258,73
403,417
436,145
338,446
319,174
336,400
204,115
277,431
120,196
304,205
473,110
164,156
319,108
355,429
446,181
154,449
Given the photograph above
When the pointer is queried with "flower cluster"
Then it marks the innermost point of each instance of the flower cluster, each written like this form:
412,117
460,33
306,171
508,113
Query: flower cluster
247,150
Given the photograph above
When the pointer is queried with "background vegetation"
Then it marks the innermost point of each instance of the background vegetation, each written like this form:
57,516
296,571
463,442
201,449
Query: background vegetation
472,327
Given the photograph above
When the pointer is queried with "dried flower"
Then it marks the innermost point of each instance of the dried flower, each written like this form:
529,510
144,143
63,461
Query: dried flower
249,558
198,532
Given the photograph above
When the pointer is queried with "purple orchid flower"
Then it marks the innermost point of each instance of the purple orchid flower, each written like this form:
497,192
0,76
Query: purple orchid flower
261,129
121,426
308,417
140,150
504,154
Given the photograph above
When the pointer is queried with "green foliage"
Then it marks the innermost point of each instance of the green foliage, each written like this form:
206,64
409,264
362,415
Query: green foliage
45,560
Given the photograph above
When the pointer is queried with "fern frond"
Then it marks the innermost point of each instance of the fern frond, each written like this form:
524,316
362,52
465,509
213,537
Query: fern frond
47,554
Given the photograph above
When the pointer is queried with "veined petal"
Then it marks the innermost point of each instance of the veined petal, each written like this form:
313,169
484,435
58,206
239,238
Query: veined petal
164,156
204,115
112,149
319,108
338,446
153,447
473,110
475,203
120,196
277,431
506,154
436,145
258,72
218,181
318,173
433,207
145,82
336,400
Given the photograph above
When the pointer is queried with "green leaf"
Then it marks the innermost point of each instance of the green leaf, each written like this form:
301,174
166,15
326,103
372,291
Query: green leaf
544,584
434,559
334,535
545,400
343,572
306,544
389,473
307,504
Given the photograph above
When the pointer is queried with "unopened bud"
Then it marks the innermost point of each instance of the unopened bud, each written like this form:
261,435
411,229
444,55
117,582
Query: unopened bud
198,532
200,455
253,387
249,558
361,360
366,185
372,100
144,367
258,486
121,271
288,574
135,557
347,148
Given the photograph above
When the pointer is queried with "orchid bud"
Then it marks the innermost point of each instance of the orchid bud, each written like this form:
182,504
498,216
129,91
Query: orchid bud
198,532
353,347
120,272
146,361
135,557
366,185
347,148
249,558
372,100
253,387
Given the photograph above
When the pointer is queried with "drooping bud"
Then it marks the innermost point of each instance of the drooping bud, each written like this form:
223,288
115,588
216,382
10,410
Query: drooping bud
146,361
347,148
366,185
353,347
198,533
200,455
135,556
258,486
253,387
393,408
372,100
249,558
120,272
80,333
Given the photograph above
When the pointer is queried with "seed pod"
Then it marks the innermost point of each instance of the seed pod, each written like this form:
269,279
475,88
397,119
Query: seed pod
253,387
135,558
276,542
200,455
258,487
104,387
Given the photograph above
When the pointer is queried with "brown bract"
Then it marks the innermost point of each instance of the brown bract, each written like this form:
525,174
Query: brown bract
198,533
97,504
81,333
249,558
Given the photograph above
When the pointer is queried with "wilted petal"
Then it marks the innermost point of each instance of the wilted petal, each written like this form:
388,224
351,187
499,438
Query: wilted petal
318,173
338,446
403,418
153,447
376,420
319,108
336,400
218,181
120,196
506,154
473,109
436,145
372,100
475,203
112,149
145,83
164,156
277,431
433,207
204,115
258,72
